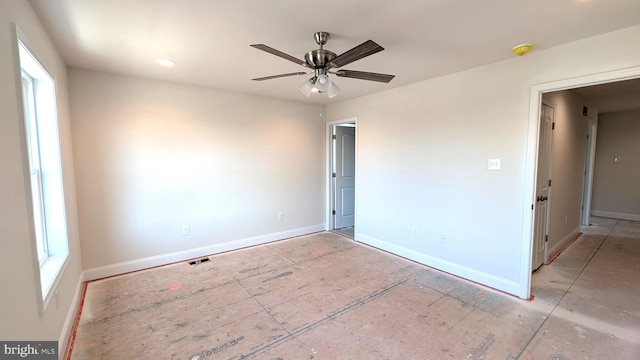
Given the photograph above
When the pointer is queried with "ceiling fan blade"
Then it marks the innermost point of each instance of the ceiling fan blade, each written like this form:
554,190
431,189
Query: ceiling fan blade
279,76
365,49
279,53
363,75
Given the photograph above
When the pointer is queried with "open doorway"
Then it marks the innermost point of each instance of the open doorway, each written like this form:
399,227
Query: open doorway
563,171
533,182
343,177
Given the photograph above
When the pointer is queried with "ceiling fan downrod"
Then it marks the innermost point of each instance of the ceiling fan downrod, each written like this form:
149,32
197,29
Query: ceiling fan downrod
321,38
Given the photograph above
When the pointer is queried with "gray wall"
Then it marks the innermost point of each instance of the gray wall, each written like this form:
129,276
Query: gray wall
568,166
616,185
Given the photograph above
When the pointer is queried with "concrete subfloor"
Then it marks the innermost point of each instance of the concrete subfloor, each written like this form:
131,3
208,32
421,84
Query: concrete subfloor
324,296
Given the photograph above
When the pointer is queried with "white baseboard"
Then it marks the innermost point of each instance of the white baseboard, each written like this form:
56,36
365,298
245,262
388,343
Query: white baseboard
70,319
616,215
501,284
152,261
553,251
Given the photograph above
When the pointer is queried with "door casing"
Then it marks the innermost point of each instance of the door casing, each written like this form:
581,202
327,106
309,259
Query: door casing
592,131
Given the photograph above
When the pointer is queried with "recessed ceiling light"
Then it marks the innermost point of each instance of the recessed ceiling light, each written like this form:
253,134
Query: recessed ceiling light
165,62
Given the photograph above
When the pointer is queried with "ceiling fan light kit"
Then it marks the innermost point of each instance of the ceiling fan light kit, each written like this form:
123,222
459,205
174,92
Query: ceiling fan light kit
307,87
333,90
322,60
320,83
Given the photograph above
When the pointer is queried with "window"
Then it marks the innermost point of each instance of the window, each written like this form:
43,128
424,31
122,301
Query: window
34,166
50,239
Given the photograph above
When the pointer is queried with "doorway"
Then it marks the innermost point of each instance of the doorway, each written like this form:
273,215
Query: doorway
535,113
343,177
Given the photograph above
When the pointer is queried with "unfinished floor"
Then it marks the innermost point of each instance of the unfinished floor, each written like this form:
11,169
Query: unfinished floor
324,296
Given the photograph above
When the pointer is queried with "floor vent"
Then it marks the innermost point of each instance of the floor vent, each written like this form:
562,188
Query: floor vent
199,261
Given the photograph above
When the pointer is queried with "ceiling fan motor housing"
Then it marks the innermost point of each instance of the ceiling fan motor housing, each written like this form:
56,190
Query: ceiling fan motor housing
319,58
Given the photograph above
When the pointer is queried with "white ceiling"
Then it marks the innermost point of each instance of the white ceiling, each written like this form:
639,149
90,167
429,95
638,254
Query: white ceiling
209,39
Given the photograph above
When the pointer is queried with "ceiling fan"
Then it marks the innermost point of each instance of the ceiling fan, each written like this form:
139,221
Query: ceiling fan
322,61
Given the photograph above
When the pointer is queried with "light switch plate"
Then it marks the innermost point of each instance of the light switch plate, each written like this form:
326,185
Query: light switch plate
495,164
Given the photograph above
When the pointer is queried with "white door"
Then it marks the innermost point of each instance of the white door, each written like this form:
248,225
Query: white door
345,175
543,187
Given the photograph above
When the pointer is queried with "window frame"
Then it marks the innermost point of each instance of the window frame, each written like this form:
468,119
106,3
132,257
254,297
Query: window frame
43,169
37,190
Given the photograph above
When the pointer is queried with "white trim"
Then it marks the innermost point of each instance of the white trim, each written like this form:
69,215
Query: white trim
531,161
616,215
49,282
553,251
501,284
48,274
592,131
329,156
547,251
152,261
70,319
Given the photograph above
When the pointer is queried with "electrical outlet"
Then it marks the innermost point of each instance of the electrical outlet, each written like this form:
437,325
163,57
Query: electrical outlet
186,230
443,238
414,231
280,215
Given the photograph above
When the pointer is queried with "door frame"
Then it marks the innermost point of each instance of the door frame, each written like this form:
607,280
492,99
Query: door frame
587,190
341,167
535,102
330,188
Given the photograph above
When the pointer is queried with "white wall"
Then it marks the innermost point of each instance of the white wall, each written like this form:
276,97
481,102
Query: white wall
616,190
153,156
423,151
568,165
19,313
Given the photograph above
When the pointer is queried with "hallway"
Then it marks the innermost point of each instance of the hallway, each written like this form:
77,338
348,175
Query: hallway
593,292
